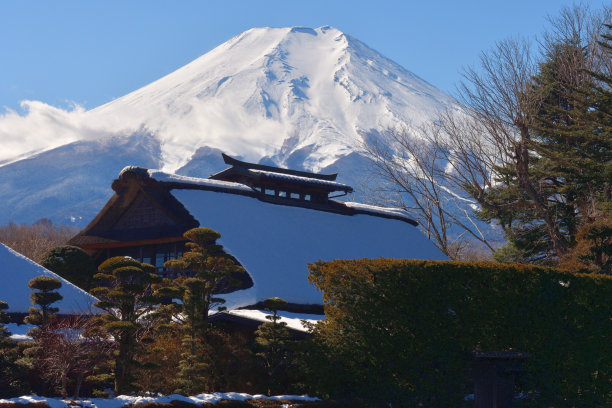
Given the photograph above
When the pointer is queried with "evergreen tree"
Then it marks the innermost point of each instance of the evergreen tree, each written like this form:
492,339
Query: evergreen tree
44,296
562,169
9,378
602,100
5,335
128,297
194,374
72,264
273,341
593,249
205,267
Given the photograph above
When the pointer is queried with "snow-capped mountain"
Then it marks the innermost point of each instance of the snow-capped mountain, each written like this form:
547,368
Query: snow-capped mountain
292,97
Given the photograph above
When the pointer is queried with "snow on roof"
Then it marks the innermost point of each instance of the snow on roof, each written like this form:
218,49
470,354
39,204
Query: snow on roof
376,210
302,180
163,177
16,271
229,186
275,242
293,320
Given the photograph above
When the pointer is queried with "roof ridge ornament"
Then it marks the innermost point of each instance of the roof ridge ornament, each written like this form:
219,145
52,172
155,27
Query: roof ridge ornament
238,163
134,171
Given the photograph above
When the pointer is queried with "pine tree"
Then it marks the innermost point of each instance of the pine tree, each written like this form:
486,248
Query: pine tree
602,113
194,374
208,267
593,249
43,298
128,297
8,356
273,341
5,335
562,169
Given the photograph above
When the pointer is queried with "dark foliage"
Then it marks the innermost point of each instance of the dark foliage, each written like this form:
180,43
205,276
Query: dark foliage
72,264
43,297
274,345
403,330
11,375
126,294
208,267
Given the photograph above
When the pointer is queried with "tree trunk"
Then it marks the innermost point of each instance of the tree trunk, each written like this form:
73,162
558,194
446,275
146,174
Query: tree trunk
77,386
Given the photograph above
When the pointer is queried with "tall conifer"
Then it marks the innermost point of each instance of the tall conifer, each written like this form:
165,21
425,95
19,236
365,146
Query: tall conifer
204,266
126,294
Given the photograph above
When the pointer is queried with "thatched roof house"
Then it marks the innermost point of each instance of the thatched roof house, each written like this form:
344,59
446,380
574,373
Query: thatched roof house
273,221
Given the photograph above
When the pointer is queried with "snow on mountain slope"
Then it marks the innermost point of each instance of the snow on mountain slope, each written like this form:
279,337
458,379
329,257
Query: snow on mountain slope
291,97
71,183
273,92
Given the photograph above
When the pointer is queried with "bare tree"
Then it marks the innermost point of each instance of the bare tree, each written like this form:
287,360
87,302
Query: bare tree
502,99
445,166
67,356
467,152
36,239
414,165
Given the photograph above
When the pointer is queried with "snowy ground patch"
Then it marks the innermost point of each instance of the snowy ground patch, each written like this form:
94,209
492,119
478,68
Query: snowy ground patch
19,332
123,400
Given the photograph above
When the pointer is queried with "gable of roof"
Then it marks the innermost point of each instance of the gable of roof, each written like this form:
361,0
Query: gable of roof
139,211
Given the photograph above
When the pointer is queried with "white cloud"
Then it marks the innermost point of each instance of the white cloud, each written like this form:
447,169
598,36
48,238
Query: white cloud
44,126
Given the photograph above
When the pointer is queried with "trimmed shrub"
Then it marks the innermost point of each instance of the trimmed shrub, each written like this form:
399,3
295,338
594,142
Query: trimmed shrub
404,330
72,264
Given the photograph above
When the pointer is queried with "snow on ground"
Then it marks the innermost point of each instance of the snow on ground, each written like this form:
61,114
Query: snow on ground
122,400
16,271
293,320
19,331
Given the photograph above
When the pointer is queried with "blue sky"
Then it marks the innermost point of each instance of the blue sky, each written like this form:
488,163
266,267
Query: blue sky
90,52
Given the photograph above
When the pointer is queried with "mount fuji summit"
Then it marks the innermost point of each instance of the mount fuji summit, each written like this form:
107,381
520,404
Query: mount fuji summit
295,97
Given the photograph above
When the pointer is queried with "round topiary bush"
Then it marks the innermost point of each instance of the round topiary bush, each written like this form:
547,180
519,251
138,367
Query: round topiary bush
202,235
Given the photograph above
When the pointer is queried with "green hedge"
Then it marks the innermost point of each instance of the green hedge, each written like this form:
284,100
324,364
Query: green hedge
404,330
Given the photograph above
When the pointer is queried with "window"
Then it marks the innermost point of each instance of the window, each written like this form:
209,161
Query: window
155,255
